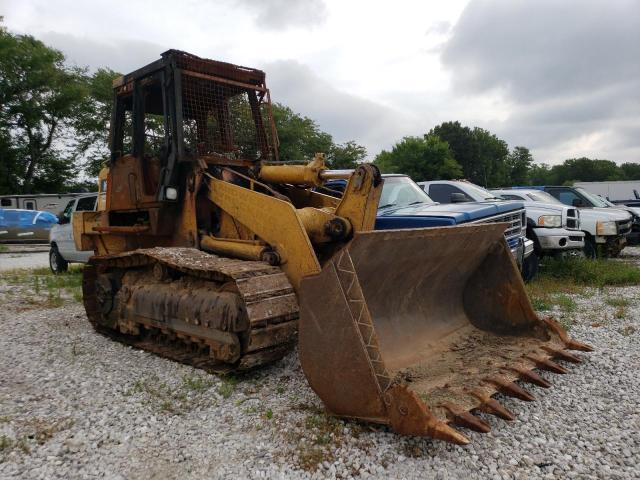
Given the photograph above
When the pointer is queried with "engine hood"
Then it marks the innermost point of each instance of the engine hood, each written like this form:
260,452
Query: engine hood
461,212
604,214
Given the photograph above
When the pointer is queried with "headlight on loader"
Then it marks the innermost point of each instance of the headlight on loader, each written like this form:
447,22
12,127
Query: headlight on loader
550,220
606,228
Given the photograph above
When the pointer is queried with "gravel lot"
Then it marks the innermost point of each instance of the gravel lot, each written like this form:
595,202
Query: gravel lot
10,261
76,405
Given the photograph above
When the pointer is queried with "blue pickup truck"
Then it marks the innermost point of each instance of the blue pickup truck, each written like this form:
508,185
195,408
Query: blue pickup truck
404,204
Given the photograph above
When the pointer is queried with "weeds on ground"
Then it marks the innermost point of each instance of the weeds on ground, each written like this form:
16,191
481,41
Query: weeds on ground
619,302
228,386
326,432
559,279
162,396
197,383
40,288
620,313
4,248
592,273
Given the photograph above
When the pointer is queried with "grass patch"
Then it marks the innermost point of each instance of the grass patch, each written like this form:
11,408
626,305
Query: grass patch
566,303
546,293
4,248
326,433
162,396
618,302
228,386
620,312
41,288
197,383
592,273
559,279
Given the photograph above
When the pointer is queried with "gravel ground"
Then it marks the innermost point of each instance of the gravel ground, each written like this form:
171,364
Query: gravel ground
76,405
11,261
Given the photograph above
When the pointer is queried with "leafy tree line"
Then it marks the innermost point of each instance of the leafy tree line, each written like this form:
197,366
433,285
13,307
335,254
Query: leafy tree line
452,151
54,122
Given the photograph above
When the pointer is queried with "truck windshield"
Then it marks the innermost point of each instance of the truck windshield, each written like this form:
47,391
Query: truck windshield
543,197
594,199
401,192
479,194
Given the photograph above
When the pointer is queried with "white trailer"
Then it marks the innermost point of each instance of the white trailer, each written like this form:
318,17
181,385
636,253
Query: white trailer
47,202
622,190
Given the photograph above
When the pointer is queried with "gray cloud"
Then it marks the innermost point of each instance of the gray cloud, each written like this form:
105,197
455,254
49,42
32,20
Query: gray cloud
282,14
570,69
120,55
344,116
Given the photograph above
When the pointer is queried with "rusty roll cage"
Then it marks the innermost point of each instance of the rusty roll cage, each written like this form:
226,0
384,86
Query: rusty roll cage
185,89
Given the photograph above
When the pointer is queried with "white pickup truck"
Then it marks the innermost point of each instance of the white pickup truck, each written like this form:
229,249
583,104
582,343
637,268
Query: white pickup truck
553,226
606,228
63,249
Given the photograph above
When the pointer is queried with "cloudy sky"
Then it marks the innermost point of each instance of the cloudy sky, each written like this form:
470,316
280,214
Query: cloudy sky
560,77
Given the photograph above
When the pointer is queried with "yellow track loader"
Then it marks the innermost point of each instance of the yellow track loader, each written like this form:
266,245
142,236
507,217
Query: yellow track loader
211,251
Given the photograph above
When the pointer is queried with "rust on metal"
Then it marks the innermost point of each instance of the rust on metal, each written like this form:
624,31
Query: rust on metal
532,377
405,328
562,355
216,313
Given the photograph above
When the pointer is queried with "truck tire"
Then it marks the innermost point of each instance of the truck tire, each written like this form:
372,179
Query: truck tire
590,248
56,262
530,267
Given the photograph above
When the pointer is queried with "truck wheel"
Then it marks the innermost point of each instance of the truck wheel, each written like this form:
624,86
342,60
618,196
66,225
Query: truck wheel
590,248
56,262
530,267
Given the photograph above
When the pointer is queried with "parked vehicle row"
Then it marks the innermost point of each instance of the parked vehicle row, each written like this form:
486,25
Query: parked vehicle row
560,219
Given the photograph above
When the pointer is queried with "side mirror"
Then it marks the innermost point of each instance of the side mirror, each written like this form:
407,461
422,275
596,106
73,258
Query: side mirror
62,219
577,202
458,198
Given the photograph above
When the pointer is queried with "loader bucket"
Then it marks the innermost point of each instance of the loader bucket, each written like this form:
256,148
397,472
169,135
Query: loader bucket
417,329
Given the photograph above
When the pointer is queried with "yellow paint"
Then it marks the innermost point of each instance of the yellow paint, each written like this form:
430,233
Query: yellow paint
245,249
308,174
273,221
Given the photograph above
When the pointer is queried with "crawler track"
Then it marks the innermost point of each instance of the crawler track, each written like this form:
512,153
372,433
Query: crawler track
180,303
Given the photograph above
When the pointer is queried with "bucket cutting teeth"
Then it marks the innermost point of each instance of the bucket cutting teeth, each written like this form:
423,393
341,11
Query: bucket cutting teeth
531,377
562,355
493,406
562,333
511,389
548,365
462,418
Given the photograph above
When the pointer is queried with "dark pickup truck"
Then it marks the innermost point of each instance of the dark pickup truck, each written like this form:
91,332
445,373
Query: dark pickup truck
404,204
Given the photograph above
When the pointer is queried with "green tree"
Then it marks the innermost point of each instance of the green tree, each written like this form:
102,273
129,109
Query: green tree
39,97
630,171
540,174
92,120
9,166
422,158
585,170
518,164
347,155
300,137
481,154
